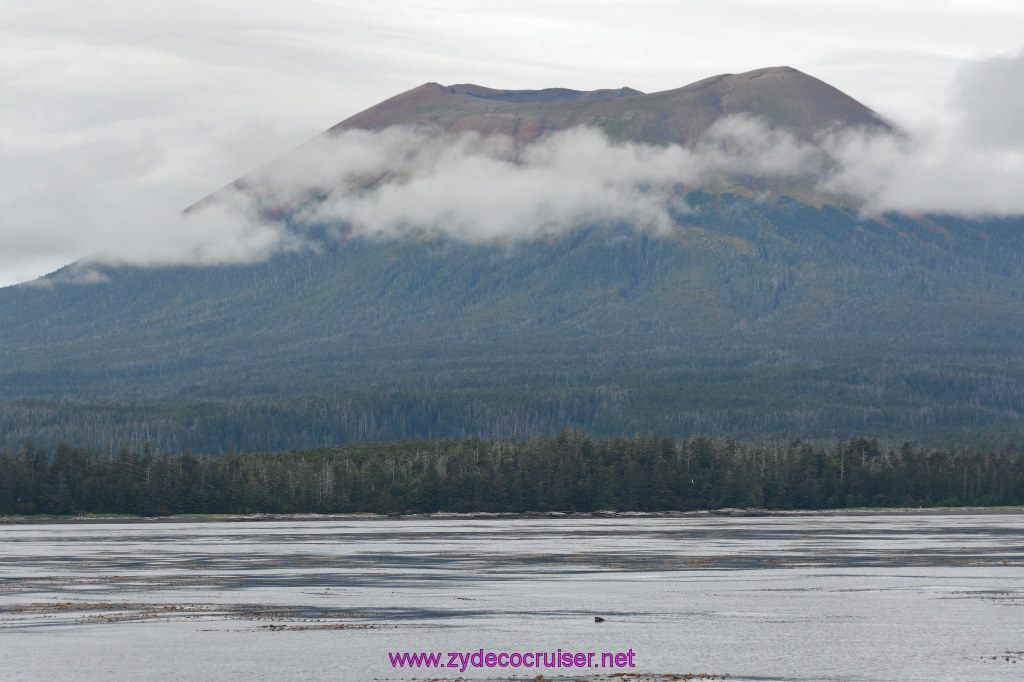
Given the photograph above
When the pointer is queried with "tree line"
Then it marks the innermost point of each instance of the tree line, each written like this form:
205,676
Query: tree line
568,472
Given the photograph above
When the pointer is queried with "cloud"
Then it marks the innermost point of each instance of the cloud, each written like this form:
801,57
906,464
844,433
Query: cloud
120,201
227,231
989,100
478,188
79,272
933,172
968,160
473,187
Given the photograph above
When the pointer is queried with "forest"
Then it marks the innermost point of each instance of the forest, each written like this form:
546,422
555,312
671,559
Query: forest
570,472
748,319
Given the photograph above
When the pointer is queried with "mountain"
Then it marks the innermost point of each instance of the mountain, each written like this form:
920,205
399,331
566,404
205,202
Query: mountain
753,316
784,96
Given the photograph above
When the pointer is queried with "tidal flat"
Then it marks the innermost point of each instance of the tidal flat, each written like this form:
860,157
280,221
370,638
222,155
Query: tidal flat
867,596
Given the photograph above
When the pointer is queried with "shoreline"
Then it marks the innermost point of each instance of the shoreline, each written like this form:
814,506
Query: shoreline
498,516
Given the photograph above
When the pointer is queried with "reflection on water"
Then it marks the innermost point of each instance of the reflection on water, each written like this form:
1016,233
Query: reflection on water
859,597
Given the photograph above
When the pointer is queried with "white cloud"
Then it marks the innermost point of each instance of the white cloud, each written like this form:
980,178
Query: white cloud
403,180
968,160
474,188
935,172
988,97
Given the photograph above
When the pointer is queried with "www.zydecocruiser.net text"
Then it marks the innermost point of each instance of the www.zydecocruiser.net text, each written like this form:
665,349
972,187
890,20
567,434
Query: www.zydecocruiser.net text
462,660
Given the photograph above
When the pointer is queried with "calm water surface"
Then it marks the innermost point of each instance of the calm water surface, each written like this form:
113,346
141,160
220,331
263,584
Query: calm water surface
858,597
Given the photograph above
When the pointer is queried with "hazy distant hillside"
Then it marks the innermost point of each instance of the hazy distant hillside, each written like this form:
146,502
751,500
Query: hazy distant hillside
756,317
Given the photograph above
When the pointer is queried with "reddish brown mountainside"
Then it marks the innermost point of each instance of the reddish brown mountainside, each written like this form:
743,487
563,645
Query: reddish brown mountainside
783,96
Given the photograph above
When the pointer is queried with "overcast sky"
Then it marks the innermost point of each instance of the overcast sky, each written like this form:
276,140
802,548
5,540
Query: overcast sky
115,114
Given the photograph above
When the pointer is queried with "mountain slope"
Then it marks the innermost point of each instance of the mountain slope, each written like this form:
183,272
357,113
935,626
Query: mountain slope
747,317
749,320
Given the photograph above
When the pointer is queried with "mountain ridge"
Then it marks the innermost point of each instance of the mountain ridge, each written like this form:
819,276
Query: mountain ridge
784,96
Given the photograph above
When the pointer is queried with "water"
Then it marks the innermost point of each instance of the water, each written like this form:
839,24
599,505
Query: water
848,597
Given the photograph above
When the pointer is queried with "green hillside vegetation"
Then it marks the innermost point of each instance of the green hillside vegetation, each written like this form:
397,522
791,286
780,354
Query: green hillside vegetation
751,318
571,473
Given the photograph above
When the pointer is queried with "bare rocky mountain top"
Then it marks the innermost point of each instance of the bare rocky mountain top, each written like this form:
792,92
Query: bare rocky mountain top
783,96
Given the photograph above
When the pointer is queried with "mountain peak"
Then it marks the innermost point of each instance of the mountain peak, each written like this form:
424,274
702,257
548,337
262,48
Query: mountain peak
781,95
543,96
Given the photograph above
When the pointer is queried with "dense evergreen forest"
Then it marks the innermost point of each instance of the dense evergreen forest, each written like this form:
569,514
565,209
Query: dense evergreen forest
570,472
748,319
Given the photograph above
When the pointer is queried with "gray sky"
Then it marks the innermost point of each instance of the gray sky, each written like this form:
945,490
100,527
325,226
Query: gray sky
115,114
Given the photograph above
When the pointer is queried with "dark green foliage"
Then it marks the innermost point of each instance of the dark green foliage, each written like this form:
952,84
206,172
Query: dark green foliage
750,319
570,472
